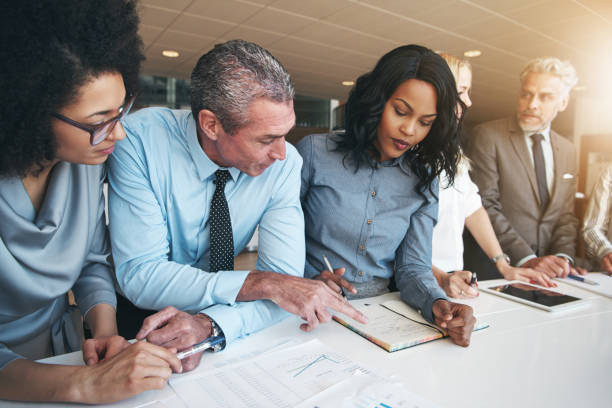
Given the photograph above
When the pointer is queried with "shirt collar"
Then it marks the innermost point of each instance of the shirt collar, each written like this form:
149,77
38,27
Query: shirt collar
205,167
545,133
403,162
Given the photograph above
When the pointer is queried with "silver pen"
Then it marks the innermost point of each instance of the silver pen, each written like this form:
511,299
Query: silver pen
204,345
328,265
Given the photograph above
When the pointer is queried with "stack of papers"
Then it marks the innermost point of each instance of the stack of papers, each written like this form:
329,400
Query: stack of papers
307,375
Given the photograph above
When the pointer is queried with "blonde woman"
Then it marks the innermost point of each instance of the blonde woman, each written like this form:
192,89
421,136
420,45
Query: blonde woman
460,206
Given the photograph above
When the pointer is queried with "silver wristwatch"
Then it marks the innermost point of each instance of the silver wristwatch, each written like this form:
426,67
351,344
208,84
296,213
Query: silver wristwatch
216,331
500,256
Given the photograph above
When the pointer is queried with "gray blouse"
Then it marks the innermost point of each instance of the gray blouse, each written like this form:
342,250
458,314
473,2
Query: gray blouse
42,256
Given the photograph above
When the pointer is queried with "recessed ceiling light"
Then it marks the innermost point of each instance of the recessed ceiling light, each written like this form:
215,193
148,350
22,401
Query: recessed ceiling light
348,83
170,53
473,53
579,88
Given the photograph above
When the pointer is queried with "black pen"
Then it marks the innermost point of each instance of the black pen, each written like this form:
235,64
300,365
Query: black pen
328,265
474,280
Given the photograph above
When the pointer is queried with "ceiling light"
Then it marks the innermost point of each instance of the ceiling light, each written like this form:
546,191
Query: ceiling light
472,53
170,53
348,83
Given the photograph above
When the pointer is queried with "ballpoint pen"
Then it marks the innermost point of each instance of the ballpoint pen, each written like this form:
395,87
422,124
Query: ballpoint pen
474,280
581,279
204,345
328,265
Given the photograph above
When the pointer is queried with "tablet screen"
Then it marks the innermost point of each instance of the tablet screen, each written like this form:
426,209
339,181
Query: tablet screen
533,294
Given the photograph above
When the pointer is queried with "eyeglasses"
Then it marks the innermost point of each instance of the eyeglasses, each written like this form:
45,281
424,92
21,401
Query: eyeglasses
100,131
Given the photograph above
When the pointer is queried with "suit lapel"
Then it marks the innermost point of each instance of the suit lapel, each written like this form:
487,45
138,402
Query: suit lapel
520,147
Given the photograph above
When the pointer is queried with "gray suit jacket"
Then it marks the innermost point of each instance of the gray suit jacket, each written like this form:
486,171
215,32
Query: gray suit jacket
505,175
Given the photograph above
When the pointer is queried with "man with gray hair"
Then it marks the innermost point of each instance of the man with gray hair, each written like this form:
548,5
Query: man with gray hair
526,174
188,189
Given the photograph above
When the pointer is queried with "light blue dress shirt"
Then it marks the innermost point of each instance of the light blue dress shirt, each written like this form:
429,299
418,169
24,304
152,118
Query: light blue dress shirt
370,221
161,187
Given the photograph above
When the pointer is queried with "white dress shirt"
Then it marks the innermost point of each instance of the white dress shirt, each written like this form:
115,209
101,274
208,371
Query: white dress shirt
549,159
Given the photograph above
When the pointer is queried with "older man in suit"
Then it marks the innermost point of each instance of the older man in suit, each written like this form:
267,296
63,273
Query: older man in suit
526,173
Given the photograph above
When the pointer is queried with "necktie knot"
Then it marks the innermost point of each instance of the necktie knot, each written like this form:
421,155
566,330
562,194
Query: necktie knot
537,137
221,177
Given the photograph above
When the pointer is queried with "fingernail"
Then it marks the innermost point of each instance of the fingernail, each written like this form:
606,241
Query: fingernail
90,361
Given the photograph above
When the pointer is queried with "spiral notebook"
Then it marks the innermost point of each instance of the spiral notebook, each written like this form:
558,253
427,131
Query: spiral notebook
393,325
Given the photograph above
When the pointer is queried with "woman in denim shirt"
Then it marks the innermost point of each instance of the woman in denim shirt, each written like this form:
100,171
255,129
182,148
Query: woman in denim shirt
370,195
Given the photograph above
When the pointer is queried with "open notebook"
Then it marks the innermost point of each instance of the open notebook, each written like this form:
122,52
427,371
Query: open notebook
393,325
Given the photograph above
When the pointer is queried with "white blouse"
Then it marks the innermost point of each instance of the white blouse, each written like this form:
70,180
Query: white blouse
456,203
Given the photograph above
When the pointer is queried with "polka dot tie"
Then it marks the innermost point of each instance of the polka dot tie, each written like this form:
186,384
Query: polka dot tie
221,239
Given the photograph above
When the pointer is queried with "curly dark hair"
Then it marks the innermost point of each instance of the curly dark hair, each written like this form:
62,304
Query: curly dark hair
50,48
440,149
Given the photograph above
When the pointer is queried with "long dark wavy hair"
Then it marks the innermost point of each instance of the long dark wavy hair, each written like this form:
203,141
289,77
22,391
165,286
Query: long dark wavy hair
49,50
439,151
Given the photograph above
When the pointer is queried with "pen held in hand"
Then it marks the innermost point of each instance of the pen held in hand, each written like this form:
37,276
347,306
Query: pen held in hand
204,345
329,267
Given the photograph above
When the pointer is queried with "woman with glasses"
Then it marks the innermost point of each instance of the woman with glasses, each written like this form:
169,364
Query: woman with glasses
69,68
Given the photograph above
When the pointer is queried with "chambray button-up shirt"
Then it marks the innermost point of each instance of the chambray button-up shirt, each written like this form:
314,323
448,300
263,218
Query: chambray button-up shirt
161,185
370,221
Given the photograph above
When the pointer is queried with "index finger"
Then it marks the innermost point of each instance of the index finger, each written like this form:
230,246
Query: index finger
154,321
348,286
347,309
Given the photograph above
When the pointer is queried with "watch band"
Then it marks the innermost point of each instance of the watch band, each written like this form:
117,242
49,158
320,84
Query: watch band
500,256
216,331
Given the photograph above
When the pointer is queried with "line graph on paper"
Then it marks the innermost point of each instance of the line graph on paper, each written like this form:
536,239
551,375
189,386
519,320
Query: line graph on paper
279,379
302,369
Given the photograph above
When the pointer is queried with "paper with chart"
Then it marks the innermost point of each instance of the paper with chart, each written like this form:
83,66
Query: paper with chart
280,379
392,325
363,391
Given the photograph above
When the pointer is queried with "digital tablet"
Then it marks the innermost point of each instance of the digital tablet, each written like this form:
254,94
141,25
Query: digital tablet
533,295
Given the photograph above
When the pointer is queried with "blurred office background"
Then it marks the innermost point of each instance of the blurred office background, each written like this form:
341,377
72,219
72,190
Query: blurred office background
327,44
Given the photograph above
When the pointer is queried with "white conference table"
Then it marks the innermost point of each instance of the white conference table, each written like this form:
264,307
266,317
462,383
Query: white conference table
526,358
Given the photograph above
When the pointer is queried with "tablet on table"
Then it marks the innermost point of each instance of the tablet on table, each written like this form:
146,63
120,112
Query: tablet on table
534,295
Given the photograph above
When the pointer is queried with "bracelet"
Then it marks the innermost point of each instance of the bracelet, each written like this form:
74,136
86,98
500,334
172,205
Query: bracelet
501,256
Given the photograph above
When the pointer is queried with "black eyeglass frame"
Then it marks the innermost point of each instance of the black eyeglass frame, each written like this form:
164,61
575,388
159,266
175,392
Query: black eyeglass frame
92,129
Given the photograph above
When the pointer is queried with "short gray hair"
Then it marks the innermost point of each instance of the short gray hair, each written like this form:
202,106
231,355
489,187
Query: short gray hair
550,65
231,76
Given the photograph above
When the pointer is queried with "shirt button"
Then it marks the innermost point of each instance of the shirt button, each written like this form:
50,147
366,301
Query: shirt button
361,247
373,194
360,273
370,221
